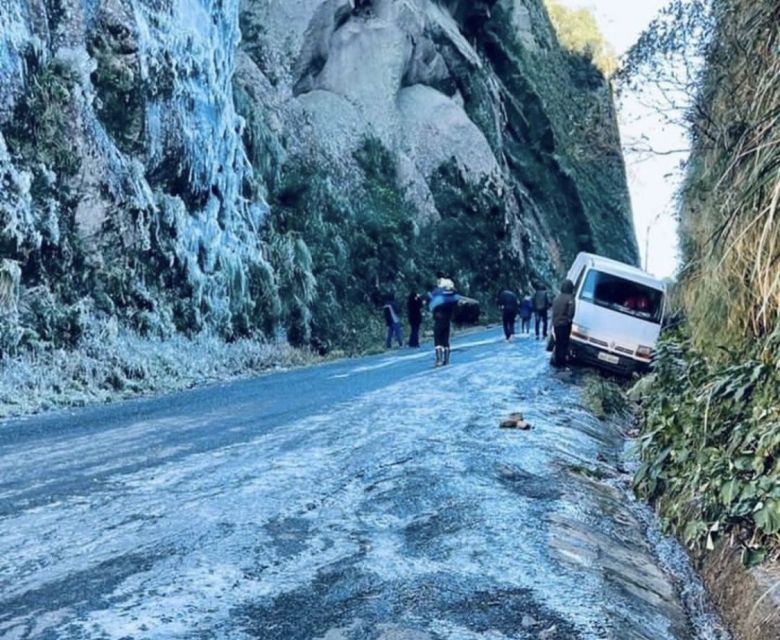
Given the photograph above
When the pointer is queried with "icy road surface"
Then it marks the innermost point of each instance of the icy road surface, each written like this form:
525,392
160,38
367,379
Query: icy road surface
365,499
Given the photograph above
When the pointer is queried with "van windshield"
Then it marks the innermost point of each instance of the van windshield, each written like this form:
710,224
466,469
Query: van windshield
623,296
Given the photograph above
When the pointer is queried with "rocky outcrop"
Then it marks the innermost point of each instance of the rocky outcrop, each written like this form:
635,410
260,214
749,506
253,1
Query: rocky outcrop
141,142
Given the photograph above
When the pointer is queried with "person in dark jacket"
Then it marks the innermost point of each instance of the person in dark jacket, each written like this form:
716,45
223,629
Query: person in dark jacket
393,323
509,304
414,307
526,311
541,306
442,302
562,316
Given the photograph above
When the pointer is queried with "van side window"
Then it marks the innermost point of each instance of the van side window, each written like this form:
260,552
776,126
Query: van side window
588,289
579,279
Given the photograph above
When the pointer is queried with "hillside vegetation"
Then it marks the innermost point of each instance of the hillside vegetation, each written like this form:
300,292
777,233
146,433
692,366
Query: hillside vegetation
711,443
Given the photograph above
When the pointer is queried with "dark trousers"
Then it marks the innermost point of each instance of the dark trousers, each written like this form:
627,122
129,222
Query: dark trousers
525,325
509,323
441,332
541,317
414,337
562,334
394,331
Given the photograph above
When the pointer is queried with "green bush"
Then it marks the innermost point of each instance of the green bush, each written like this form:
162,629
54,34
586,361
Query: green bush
710,446
711,443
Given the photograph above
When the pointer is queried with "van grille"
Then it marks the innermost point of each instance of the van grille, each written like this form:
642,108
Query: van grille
619,349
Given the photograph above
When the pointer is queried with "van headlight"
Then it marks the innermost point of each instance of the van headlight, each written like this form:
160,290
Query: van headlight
579,331
644,352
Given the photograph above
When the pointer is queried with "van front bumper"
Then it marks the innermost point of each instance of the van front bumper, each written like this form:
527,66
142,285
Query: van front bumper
623,365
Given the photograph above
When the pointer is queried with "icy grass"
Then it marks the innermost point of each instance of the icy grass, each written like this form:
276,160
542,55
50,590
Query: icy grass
115,365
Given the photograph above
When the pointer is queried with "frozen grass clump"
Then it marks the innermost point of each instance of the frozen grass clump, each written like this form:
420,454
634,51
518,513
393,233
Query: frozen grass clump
111,365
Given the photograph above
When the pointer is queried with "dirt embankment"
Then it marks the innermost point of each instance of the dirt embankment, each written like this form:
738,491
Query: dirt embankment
748,599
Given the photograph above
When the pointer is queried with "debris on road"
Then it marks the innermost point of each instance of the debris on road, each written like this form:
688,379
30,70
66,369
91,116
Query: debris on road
515,421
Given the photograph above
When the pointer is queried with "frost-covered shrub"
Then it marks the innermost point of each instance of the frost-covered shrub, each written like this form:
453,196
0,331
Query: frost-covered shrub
41,129
111,363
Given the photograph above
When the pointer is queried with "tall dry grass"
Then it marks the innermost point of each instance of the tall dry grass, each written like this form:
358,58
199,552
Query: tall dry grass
731,201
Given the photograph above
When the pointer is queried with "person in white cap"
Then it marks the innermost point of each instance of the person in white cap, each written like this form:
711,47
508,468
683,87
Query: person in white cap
442,303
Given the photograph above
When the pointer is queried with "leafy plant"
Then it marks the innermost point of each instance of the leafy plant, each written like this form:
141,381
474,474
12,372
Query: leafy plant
710,445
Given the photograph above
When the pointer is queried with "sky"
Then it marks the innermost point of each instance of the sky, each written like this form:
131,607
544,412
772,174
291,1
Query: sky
653,180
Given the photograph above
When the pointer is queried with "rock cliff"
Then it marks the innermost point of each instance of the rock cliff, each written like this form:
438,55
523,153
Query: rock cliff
238,166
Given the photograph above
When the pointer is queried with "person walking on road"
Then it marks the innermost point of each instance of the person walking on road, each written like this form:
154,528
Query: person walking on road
508,302
562,316
393,323
414,307
526,311
442,303
541,307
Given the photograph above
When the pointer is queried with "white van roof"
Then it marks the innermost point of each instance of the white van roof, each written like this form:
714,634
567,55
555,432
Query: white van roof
617,268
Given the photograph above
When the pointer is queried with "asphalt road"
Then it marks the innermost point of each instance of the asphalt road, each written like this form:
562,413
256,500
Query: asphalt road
363,499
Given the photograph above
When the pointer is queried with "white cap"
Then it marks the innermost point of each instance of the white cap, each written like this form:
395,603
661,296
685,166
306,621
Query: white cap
446,283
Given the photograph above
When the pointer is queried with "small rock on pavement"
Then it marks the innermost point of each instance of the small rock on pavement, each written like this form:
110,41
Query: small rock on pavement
515,421
548,634
528,622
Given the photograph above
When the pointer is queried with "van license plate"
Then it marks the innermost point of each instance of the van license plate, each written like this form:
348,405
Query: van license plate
608,357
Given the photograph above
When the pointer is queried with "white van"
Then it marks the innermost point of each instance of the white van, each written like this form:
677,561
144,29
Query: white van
618,315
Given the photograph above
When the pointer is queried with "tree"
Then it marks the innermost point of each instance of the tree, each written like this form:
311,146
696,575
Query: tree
663,69
579,33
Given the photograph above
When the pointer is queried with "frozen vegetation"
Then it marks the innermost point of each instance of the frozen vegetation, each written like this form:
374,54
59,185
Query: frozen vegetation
109,365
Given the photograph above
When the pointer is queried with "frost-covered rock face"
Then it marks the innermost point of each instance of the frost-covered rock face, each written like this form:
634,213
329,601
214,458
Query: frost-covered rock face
126,182
141,139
